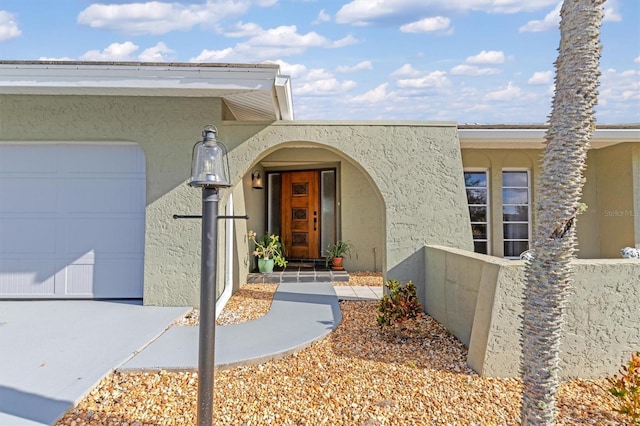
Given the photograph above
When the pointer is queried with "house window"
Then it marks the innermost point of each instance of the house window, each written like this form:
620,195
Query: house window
476,184
516,219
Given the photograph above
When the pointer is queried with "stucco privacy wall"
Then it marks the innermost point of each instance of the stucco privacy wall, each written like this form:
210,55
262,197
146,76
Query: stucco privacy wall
482,309
166,129
416,167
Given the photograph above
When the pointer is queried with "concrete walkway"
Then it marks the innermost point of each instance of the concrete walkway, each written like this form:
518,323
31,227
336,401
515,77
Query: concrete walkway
52,353
300,314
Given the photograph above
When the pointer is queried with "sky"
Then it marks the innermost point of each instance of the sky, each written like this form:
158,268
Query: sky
468,61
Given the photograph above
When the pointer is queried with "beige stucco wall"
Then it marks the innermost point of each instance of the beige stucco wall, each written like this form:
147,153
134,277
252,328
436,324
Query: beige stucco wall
616,210
483,308
495,161
414,169
612,219
166,129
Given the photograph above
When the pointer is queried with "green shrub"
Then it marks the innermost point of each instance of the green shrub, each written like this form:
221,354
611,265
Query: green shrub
399,305
626,388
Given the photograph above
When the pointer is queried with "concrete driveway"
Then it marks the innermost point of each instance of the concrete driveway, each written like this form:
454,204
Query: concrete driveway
53,352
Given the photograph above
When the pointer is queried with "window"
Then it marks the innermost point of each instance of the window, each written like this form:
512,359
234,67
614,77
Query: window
515,212
476,184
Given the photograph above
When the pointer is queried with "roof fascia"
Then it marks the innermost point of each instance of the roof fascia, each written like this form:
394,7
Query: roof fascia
534,138
80,78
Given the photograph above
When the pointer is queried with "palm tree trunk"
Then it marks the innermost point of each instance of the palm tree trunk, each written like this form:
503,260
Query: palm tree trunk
549,273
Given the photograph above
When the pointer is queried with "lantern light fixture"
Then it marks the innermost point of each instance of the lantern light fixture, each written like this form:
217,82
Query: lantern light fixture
209,162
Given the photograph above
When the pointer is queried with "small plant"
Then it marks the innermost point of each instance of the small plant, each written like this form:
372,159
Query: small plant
626,388
400,305
268,247
339,249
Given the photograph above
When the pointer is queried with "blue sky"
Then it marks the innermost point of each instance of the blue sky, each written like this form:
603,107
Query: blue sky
470,61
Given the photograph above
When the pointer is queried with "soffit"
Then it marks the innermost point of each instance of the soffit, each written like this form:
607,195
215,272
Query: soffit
252,92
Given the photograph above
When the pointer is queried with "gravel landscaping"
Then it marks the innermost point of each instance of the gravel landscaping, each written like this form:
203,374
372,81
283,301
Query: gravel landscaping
356,376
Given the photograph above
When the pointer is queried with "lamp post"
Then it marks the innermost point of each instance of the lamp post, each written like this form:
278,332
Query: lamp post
209,171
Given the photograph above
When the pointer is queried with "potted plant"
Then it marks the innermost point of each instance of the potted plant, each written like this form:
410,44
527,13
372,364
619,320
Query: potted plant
335,254
268,248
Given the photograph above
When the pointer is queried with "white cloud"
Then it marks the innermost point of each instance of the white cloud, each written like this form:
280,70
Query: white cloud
114,52
509,93
637,60
611,11
364,65
213,55
293,70
364,13
8,26
618,90
551,21
541,77
406,71
288,36
156,17
127,51
322,17
243,30
473,70
486,57
435,24
158,53
376,95
329,86
63,58
433,79
272,43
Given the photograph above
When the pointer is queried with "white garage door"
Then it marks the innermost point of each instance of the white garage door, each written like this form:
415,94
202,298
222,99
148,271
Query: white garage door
71,220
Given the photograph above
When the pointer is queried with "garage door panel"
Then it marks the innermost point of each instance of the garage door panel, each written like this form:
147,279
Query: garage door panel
104,236
96,159
118,276
28,196
40,158
27,236
71,220
102,195
18,277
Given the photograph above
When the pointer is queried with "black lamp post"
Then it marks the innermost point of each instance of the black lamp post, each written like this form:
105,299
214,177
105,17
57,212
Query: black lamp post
209,171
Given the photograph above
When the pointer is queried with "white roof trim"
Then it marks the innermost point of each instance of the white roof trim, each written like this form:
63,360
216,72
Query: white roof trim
534,138
257,83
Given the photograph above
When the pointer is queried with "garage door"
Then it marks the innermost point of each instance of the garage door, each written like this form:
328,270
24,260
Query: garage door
71,220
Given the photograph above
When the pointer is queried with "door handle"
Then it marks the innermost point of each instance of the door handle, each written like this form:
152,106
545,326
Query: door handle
315,221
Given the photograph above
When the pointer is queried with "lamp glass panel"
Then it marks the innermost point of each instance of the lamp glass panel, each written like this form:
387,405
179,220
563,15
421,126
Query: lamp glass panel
209,168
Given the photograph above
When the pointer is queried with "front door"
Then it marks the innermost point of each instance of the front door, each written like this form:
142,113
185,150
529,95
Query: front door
300,215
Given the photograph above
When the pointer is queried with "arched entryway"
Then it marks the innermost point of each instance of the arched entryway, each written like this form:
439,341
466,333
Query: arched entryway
312,196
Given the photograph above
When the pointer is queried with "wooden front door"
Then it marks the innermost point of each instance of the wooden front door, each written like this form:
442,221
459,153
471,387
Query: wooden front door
300,215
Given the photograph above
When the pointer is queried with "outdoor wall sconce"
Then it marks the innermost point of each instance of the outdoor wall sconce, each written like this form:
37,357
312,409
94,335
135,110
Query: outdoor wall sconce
256,180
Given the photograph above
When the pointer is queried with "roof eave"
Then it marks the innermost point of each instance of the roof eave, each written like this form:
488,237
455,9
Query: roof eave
255,82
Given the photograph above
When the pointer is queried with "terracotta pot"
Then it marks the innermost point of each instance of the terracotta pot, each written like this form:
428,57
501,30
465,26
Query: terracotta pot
336,263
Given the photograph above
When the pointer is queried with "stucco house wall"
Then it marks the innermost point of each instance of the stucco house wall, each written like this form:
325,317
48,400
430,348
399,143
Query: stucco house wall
416,169
610,193
615,194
